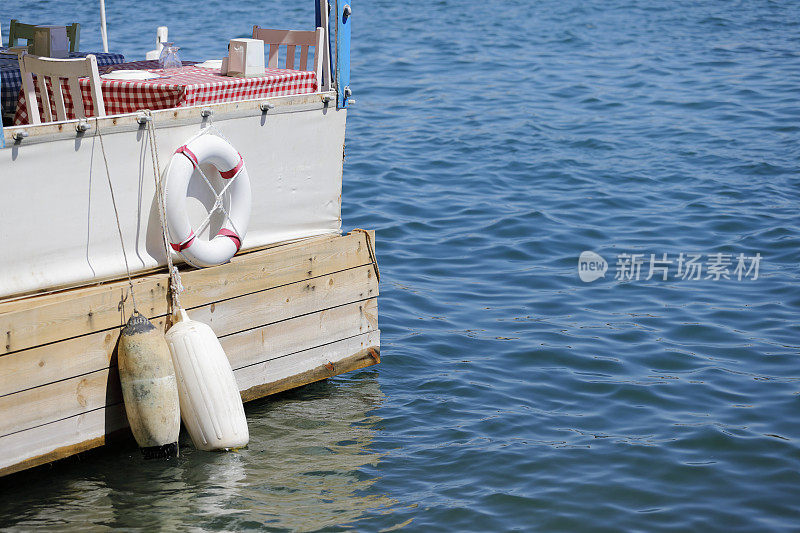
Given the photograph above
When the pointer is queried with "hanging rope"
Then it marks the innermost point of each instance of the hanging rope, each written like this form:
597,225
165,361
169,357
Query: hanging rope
116,214
371,249
218,196
175,285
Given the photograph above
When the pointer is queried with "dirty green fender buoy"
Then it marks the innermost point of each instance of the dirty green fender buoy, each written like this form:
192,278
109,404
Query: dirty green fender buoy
149,387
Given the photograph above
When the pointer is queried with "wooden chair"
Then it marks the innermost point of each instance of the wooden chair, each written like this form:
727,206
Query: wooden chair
291,39
18,30
55,69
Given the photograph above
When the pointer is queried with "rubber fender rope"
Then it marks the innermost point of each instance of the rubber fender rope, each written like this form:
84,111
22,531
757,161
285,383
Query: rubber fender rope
185,244
230,234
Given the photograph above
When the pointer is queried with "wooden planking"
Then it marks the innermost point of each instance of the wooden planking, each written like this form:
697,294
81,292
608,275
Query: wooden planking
70,397
62,360
362,359
82,355
62,399
59,439
288,301
294,370
274,267
329,307
45,319
300,333
68,436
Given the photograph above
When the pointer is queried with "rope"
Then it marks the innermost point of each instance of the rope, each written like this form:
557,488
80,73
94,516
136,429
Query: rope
218,200
175,285
218,196
116,214
371,249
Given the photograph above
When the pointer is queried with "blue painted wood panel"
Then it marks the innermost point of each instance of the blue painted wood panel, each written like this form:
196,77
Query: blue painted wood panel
2,138
343,20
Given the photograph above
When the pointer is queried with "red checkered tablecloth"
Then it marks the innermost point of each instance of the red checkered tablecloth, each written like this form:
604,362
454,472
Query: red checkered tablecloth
187,86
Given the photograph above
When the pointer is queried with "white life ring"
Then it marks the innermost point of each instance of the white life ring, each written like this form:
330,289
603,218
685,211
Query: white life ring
227,160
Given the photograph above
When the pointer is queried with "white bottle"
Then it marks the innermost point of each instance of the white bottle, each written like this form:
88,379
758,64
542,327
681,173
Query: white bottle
211,407
161,38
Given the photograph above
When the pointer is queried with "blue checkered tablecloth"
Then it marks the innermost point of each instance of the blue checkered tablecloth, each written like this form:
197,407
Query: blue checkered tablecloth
11,82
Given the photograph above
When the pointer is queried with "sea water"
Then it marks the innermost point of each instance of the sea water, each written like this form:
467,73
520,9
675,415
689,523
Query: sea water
491,144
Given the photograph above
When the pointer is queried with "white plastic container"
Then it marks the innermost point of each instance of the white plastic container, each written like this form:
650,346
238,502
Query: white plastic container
245,58
51,41
211,407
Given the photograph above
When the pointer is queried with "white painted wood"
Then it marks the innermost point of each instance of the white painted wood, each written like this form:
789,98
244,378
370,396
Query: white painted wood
291,39
57,69
179,116
294,160
326,49
318,57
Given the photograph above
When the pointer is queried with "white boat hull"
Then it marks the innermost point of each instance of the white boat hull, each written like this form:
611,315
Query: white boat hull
60,228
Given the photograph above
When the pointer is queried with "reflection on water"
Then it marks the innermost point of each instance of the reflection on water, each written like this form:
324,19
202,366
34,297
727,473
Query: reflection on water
301,471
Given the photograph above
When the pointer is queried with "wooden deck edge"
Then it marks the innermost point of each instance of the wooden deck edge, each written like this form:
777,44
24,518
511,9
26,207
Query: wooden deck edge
65,290
55,455
340,258
59,316
362,359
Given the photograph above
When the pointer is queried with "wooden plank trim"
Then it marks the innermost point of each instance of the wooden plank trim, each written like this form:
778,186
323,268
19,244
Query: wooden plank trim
37,299
42,405
280,303
96,426
362,359
63,316
44,365
51,363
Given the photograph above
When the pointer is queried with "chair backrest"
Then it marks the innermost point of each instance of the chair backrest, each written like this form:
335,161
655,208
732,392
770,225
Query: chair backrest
293,39
56,69
17,30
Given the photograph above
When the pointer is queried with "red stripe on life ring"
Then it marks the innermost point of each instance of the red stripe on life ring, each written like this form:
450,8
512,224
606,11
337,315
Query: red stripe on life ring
235,238
228,174
188,153
185,244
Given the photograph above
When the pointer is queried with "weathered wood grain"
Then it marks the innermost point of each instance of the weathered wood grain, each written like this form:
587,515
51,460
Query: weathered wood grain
62,399
39,366
45,319
290,336
68,436
71,396
286,316
59,439
288,301
301,368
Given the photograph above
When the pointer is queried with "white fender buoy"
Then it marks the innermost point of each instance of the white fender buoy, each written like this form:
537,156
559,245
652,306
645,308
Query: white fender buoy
149,388
211,406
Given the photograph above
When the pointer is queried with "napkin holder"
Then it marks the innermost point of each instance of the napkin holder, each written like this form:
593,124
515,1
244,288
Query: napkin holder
51,41
245,58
